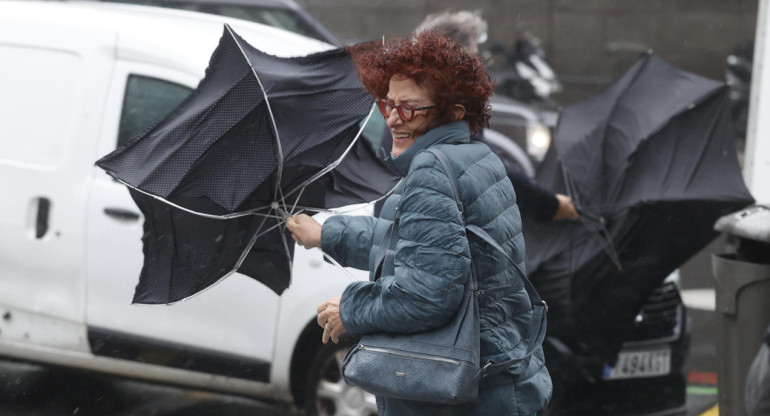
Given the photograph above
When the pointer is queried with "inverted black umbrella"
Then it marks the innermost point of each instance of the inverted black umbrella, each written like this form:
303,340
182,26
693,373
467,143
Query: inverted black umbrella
650,163
261,138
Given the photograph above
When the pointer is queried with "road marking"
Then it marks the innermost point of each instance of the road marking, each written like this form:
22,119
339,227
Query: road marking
714,411
702,391
701,378
703,299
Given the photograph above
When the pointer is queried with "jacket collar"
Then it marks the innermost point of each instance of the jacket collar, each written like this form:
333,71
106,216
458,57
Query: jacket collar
453,133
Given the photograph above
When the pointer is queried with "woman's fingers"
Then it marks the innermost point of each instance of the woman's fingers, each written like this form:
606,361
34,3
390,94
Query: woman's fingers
331,314
329,319
327,334
304,230
332,331
322,319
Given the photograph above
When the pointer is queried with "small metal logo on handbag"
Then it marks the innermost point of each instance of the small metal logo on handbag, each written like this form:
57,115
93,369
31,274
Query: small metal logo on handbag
399,374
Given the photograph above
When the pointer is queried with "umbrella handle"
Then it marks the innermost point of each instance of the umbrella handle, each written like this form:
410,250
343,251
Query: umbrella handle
285,215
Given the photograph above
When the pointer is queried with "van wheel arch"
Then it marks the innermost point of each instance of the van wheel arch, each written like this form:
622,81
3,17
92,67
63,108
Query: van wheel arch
305,351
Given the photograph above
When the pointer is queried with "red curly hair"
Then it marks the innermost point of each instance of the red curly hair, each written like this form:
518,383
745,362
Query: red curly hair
435,62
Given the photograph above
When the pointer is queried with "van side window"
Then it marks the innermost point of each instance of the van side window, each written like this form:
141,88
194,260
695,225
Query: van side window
39,120
146,101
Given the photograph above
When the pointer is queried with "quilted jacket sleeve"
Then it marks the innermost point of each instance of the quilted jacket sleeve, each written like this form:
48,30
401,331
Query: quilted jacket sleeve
432,261
348,239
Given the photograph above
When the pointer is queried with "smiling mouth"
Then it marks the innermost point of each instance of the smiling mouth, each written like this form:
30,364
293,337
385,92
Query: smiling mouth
401,136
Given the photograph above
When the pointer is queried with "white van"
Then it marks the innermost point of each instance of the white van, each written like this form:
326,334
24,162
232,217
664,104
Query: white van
76,80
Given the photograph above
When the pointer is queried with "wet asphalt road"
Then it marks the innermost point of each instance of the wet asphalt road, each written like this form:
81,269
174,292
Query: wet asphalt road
31,390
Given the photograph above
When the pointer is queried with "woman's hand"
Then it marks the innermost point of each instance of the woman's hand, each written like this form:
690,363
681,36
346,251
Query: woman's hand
304,230
329,319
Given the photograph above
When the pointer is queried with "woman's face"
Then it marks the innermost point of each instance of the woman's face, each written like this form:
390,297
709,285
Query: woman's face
404,90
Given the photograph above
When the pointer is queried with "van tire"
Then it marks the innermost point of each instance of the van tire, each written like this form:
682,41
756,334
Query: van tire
336,396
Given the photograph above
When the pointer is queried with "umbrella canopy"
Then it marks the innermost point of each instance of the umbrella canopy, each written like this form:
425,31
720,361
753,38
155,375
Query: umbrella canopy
261,137
650,163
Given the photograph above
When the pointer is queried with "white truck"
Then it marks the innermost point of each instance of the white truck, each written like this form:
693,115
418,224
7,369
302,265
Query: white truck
76,80
756,168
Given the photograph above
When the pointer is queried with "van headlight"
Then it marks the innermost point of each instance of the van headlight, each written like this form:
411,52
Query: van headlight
538,141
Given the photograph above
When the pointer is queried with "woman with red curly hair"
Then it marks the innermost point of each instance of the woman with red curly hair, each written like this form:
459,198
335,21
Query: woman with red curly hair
433,96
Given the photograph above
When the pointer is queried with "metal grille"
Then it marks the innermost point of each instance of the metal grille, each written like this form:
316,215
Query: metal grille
660,316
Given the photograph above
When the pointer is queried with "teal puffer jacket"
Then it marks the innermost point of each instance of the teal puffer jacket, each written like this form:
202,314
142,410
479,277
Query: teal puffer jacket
433,254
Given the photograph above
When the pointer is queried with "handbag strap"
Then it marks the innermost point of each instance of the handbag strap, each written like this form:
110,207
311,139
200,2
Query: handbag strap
382,250
537,327
389,241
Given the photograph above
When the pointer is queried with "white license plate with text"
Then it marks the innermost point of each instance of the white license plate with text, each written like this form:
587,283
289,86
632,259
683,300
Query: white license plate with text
634,364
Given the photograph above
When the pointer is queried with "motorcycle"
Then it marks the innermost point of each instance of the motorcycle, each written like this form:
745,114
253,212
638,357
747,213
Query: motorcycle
523,73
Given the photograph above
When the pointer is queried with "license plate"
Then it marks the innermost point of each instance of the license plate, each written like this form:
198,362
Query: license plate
635,364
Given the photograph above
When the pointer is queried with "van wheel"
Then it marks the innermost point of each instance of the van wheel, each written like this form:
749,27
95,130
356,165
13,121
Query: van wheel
327,394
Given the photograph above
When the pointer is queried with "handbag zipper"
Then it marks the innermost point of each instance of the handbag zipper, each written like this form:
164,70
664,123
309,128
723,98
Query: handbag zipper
409,354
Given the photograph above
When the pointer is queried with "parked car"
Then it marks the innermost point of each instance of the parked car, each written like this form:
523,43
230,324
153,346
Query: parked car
649,377
78,79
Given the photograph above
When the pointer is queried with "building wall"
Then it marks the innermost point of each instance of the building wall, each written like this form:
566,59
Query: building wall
588,42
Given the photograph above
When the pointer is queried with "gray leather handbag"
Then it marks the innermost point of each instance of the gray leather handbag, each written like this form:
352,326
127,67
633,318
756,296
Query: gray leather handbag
441,365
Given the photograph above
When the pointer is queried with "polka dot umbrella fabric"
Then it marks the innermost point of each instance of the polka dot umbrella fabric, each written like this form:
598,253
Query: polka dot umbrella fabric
260,137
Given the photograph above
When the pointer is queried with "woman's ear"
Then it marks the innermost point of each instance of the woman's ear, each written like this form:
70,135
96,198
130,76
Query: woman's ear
459,111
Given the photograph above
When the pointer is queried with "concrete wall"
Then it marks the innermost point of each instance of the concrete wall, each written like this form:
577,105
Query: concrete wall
589,42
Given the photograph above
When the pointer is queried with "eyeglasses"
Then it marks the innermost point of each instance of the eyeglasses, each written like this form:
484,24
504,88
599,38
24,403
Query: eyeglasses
405,111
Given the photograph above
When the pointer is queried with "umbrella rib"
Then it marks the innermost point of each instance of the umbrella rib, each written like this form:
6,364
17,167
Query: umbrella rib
251,244
277,217
296,201
267,230
341,267
269,110
288,255
349,208
336,163
254,211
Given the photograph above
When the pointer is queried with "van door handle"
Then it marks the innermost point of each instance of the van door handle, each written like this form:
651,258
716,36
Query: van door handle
41,221
122,214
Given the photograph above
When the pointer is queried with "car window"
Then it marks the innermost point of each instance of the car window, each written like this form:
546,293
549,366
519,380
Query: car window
147,100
